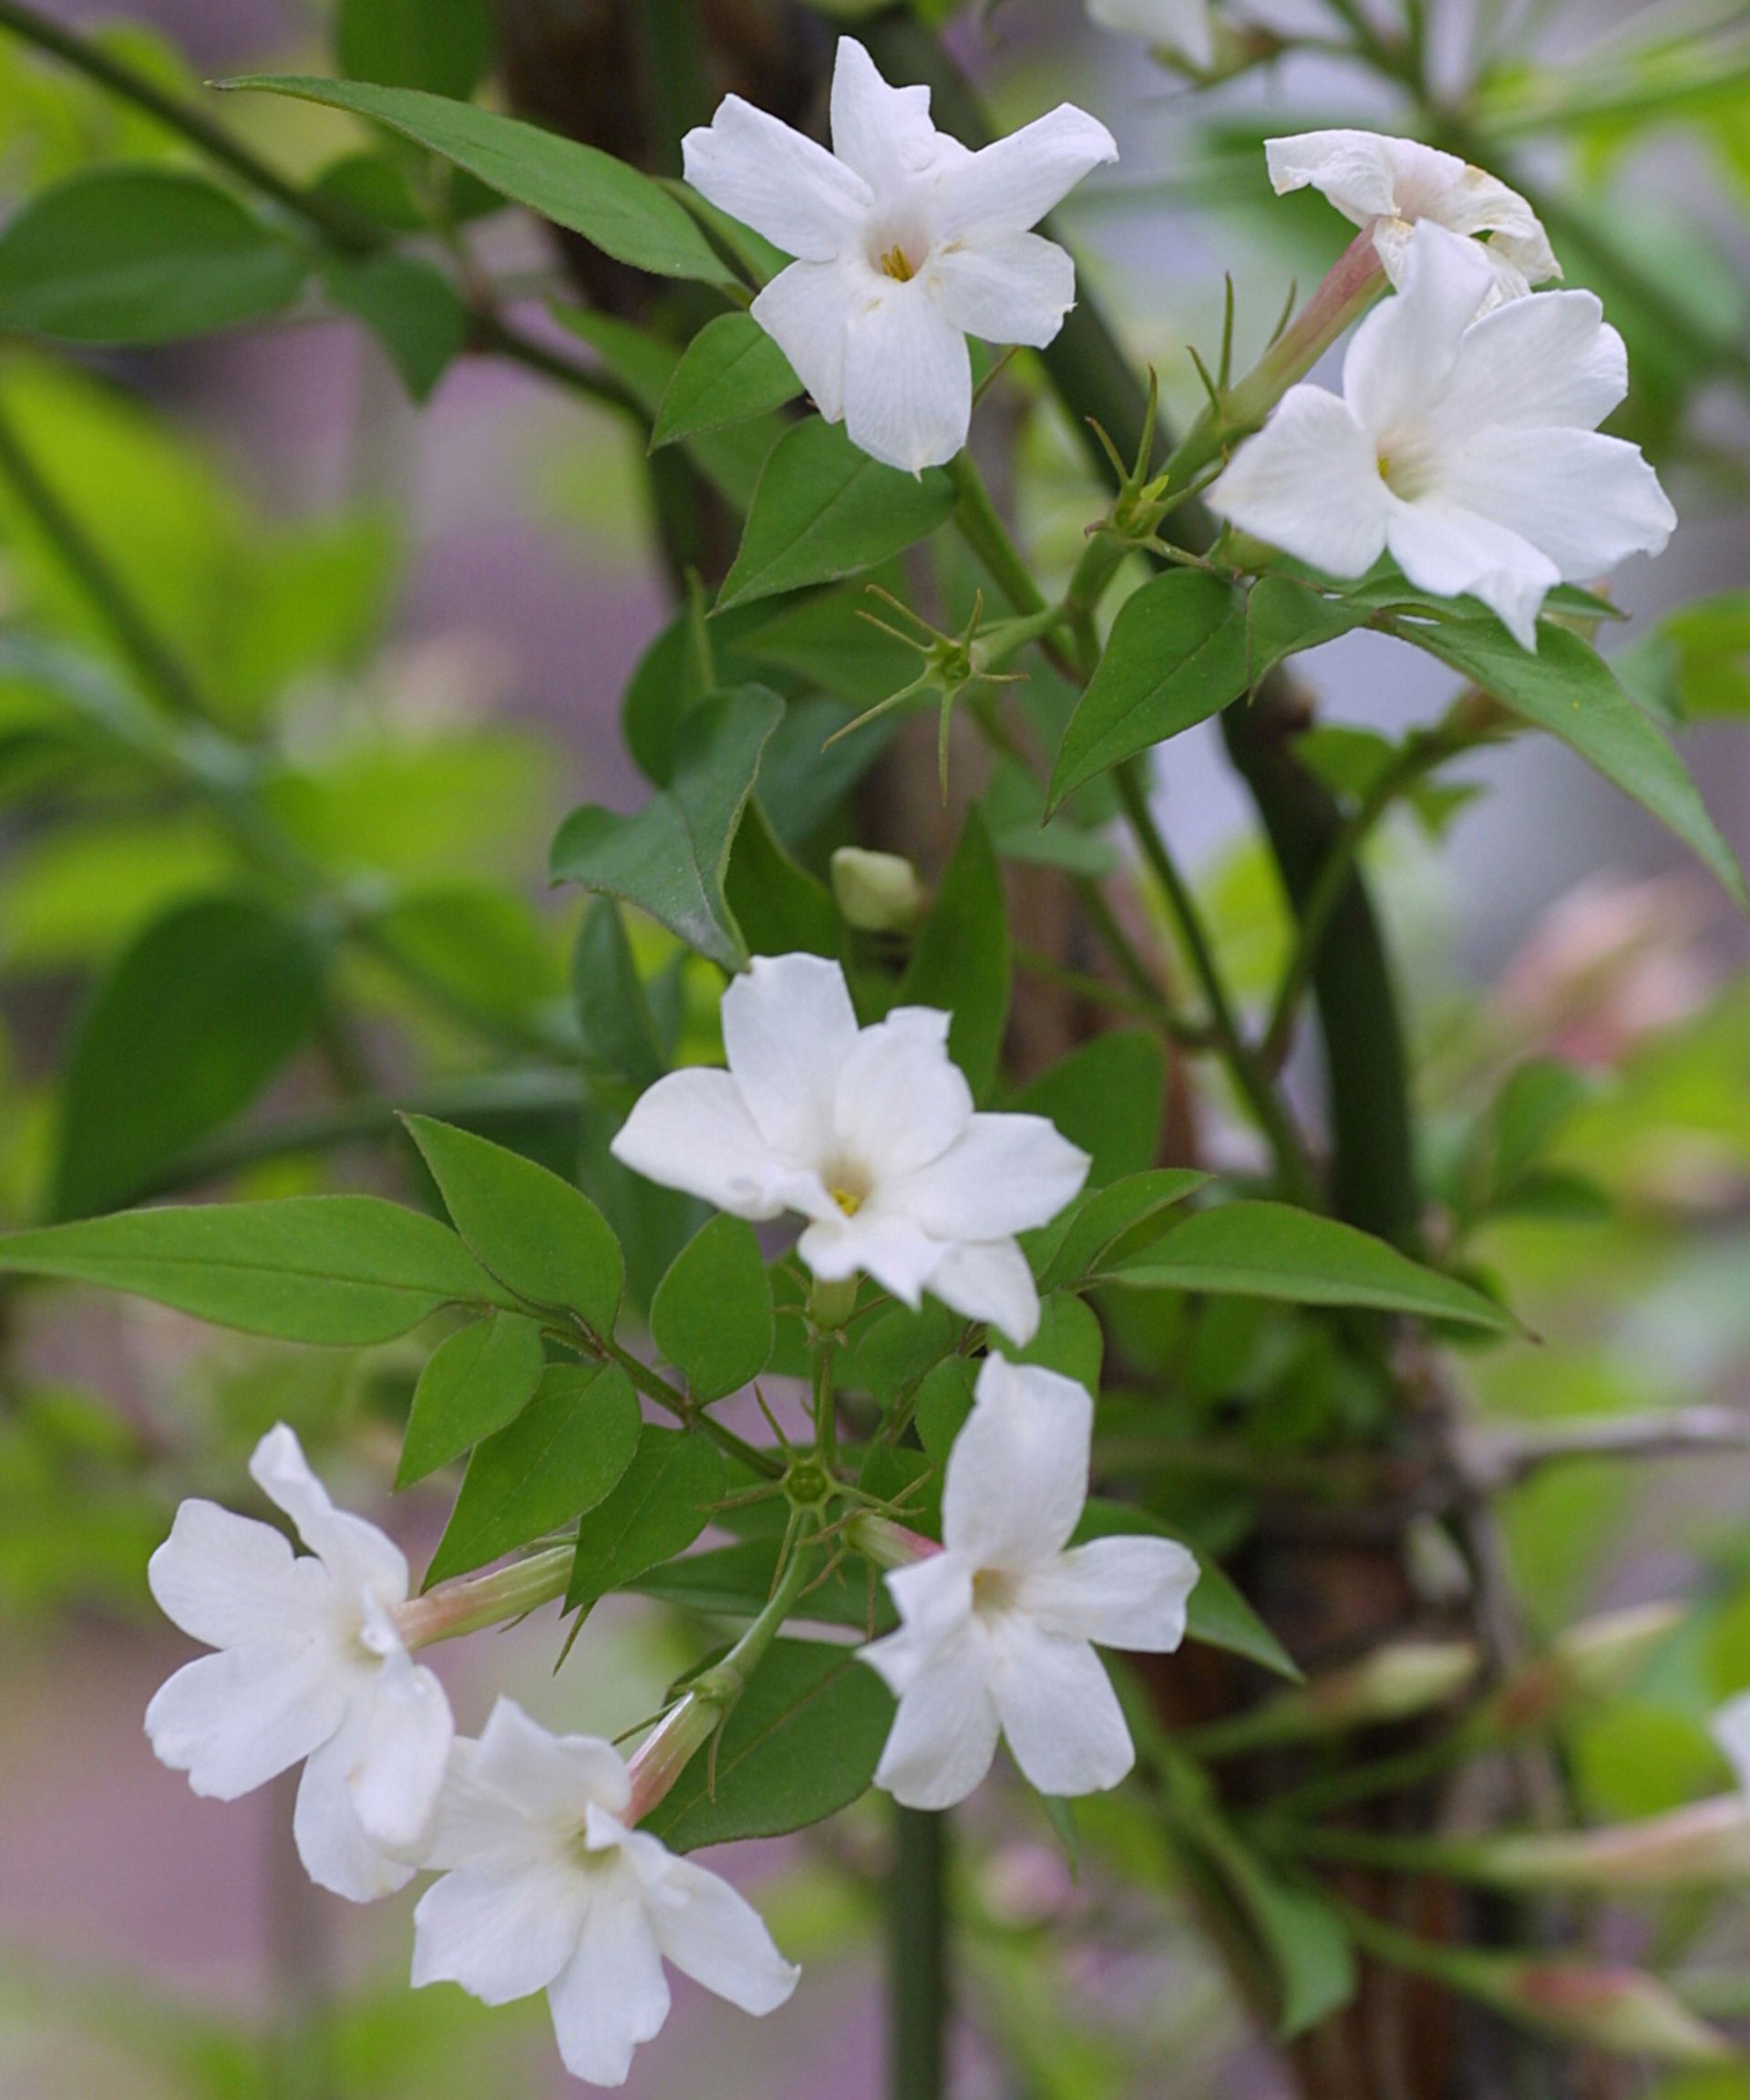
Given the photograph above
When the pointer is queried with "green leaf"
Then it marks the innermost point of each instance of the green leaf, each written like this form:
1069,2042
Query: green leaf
412,309
473,1382
664,1500
731,371
563,1453
346,1270
824,510
1177,656
670,857
944,1400
141,255
442,45
711,1314
1071,1246
802,1743
613,1008
1567,689
779,907
619,211
960,961
186,1026
1273,1251
735,1581
1303,1940
1069,1341
1107,1097
538,1235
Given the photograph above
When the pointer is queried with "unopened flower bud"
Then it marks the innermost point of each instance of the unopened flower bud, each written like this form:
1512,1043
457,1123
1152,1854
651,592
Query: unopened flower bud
878,892
1393,1684
1622,2009
1705,1845
1591,1662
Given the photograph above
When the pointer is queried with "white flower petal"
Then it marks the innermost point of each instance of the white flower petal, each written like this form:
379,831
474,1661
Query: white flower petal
692,1130
1017,1474
1404,353
803,310
990,1280
549,1777
771,178
787,1027
908,377
1309,483
900,1100
1586,501
1004,1174
1009,288
945,1735
1455,553
892,1250
355,1553
884,133
1533,364
1124,1593
707,1928
1011,184
336,1853
1059,1712
612,1995
1180,25
1350,170
234,1720
501,1932
227,1579
402,1731
934,1597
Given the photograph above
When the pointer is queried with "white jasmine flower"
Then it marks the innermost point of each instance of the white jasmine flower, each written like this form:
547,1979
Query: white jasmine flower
310,1665
870,1133
545,1888
1184,27
997,1630
1469,449
906,243
1391,184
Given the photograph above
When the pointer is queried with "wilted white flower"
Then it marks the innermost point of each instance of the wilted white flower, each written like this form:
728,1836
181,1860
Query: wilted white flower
906,243
1184,27
310,1665
543,1887
870,1133
997,1630
1469,449
1392,184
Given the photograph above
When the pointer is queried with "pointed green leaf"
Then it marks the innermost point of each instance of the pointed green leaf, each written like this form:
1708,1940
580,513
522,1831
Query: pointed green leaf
619,211
442,45
823,510
670,857
538,1235
1107,1097
473,1382
961,961
413,310
731,371
1071,1246
711,1314
346,1271
1273,1251
664,1500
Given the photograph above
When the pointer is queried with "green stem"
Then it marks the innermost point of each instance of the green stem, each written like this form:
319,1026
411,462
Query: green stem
654,1386
1250,1080
987,536
145,649
825,1418
918,1992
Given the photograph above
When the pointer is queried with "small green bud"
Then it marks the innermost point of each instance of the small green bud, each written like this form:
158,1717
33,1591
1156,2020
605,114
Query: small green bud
1394,1684
1705,1845
878,892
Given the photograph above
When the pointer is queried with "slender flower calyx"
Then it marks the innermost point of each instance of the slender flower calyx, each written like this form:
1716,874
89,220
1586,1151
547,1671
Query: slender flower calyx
1389,185
1468,448
906,243
312,1664
1184,29
544,1887
870,1133
997,1630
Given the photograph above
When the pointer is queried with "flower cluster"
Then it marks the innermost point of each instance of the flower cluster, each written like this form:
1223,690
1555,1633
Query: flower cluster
1464,442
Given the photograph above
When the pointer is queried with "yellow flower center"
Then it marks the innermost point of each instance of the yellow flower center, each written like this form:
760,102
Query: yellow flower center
848,1200
896,263
992,1590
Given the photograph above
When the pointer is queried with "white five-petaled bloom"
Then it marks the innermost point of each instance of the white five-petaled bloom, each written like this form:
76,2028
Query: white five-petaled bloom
1184,27
543,1887
906,243
1468,448
870,1133
1392,184
310,1664
996,1630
